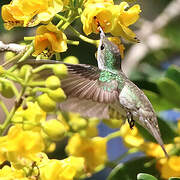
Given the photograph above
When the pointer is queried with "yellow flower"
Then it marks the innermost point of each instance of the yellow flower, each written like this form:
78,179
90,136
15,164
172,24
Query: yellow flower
121,47
92,150
21,146
49,36
77,122
94,15
178,126
54,129
122,19
9,173
106,2
85,127
28,119
29,12
155,150
91,129
131,138
65,169
112,18
170,167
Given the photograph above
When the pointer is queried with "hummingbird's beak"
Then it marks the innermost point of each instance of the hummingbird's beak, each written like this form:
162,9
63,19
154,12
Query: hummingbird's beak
157,136
102,35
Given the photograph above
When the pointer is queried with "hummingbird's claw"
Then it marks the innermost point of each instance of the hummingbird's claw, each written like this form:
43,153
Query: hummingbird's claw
130,120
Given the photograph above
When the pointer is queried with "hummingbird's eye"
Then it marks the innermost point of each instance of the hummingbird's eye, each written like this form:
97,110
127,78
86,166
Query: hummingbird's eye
102,47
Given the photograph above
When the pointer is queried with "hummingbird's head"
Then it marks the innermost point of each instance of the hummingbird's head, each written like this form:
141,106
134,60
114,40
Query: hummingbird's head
108,55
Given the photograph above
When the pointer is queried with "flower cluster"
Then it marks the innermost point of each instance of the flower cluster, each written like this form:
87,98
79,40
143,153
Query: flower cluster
167,167
50,38
114,19
29,13
35,124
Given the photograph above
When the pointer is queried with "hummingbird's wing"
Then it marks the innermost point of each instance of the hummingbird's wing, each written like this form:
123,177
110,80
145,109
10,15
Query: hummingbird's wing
83,82
86,94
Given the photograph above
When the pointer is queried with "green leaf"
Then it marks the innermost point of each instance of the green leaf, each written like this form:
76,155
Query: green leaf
174,178
173,73
130,169
159,102
167,132
144,176
170,90
147,85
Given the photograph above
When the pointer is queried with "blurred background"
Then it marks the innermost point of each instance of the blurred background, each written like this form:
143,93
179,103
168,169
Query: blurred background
150,64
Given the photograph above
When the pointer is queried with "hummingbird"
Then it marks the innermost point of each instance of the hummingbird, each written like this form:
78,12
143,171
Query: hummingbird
97,91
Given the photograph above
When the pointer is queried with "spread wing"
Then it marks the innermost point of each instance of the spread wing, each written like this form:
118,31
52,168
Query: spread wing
83,82
86,94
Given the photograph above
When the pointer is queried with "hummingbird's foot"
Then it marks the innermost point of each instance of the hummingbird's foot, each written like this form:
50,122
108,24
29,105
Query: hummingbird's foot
130,120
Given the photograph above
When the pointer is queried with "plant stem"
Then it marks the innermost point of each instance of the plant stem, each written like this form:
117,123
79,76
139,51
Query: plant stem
4,108
13,77
58,57
67,24
76,43
36,83
113,135
130,151
29,38
60,17
36,89
70,20
12,60
63,19
91,41
27,53
40,68
114,163
16,106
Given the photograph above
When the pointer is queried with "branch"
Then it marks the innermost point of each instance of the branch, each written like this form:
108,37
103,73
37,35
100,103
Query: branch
150,39
12,47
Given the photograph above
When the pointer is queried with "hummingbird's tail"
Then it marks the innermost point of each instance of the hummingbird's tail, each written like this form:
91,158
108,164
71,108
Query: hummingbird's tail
155,132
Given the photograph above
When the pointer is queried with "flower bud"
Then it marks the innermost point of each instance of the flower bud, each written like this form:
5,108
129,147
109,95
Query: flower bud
52,82
24,69
113,123
71,60
57,95
8,55
78,123
46,103
51,148
60,70
2,70
6,90
54,129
